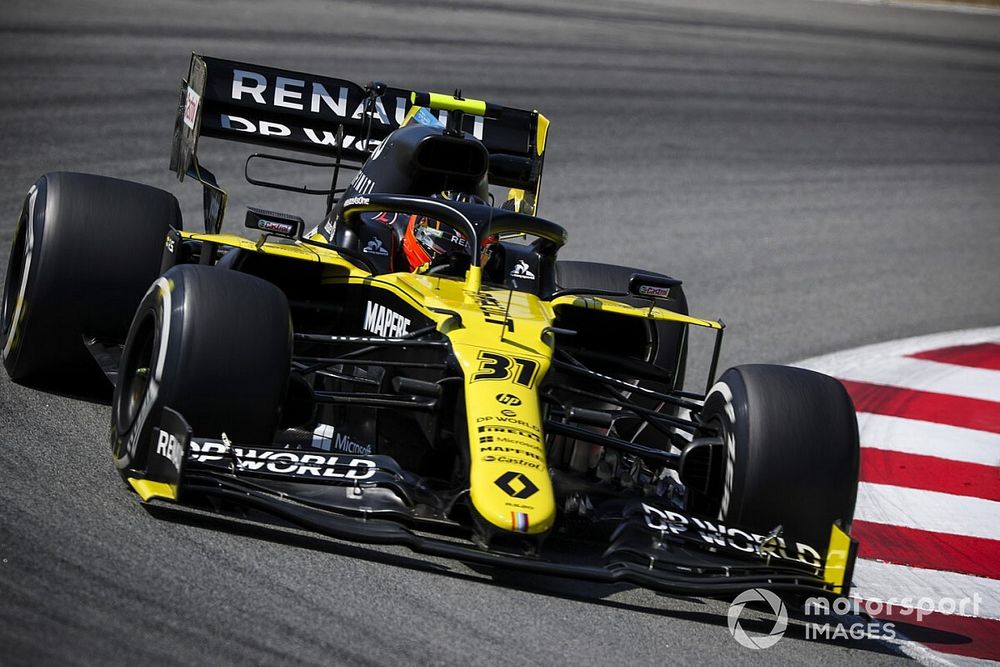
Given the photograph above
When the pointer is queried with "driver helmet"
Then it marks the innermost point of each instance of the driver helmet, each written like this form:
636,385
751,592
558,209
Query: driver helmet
426,239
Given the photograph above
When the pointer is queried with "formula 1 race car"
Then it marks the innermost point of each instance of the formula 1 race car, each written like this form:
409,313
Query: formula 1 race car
420,368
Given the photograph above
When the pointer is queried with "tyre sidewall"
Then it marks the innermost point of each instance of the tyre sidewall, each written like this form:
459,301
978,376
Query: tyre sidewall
131,434
731,418
19,283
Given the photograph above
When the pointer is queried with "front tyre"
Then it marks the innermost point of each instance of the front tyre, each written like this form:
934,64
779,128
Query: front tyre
214,345
790,452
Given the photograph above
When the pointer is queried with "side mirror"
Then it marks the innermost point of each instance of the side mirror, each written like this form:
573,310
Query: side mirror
272,222
649,286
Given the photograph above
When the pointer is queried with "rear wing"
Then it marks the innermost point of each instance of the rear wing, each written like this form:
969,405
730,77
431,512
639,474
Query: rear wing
334,117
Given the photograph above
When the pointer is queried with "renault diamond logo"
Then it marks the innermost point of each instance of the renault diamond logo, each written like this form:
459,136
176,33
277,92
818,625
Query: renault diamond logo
522,487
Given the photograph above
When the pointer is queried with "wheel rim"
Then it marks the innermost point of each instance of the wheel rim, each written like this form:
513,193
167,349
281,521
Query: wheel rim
136,373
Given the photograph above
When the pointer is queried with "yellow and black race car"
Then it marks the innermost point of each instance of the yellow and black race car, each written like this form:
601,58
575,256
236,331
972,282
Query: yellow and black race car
420,368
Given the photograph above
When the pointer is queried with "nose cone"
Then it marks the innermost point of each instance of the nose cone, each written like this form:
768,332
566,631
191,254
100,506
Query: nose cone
501,348
508,477
509,492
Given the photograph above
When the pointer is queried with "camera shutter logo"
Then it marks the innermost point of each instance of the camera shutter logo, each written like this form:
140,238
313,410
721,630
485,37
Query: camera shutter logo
757,641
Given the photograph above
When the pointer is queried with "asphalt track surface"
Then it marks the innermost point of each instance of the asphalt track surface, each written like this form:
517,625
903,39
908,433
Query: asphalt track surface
821,175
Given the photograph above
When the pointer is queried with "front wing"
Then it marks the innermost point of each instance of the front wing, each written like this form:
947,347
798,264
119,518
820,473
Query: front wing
371,499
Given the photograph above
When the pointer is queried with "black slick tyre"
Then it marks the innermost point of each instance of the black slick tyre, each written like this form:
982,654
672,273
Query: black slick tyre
85,250
214,345
790,454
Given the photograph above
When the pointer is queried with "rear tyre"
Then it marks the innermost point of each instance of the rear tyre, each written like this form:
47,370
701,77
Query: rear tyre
214,345
791,452
85,249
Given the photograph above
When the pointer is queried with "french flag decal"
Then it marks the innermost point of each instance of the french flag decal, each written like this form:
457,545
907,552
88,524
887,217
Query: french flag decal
519,521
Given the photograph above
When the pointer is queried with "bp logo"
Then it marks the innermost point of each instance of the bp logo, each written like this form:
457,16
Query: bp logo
777,608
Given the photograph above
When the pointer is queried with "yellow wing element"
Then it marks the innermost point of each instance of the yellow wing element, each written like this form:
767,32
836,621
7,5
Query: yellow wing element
542,133
523,200
838,563
517,196
440,101
148,489
650,313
